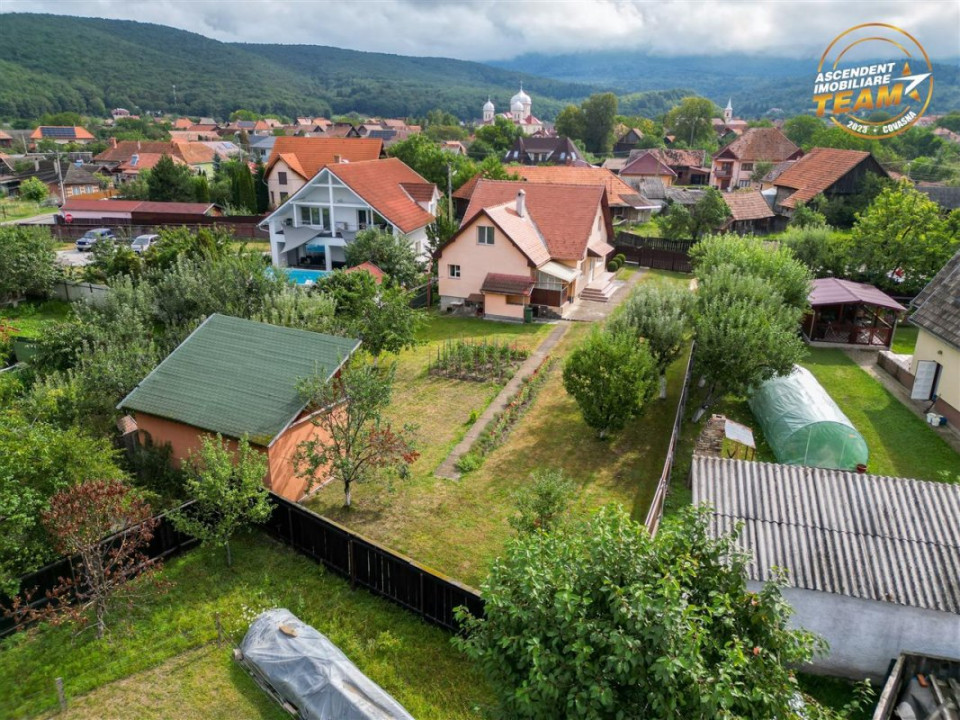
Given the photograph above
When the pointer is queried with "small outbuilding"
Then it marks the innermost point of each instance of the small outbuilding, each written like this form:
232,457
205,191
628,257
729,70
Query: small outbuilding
850,313
804,426
238,378
871,563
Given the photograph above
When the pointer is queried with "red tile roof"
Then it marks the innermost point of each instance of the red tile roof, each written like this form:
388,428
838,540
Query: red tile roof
380,182
761,144
369,267
833,291
564,214
145,161
420,192
4,136
306,156
126,206
679,158
747,205
617,190
192,153
816,171
465,191
502,284
182,124
646,164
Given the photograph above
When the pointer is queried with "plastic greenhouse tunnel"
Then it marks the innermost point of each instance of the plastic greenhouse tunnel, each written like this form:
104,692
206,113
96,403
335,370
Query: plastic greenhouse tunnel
804,426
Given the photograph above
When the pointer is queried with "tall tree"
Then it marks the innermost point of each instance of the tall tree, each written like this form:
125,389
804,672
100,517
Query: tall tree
501,135
261,191
570,122
355,440
201,189
708,214
658,315
27,261
599,117
604,621
801,130
34,190
674,222
228,488
170,182
690,121
611,377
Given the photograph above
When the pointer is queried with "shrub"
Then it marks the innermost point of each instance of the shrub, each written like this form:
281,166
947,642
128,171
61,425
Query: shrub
468,463
613,266
620,258
474,416
543,501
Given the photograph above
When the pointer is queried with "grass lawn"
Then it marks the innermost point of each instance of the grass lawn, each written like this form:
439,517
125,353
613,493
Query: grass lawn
251,245
155,645
904,339
29,318
11,209
900,443
458,527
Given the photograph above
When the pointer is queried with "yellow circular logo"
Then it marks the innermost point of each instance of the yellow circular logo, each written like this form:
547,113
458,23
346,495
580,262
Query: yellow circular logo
893,75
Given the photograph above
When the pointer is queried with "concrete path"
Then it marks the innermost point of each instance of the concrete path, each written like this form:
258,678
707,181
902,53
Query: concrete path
867,360
592,311
448,468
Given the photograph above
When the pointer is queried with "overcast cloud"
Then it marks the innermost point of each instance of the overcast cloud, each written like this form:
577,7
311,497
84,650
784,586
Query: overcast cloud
488,30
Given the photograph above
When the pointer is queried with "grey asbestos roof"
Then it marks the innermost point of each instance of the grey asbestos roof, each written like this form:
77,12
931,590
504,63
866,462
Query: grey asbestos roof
938,304
864,536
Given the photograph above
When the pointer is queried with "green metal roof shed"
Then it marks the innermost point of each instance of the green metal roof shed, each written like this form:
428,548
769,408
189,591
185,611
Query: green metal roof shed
238,377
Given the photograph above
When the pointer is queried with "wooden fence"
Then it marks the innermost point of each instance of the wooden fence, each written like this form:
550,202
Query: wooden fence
655,512
242,227
166,541
365,563
655,252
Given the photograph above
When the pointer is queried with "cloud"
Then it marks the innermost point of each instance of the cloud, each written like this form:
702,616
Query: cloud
501,29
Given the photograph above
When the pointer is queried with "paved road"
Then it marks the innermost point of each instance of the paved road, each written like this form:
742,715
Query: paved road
45,219
74,258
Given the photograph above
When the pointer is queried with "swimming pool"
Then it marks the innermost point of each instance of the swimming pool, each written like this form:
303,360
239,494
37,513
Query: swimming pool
304,276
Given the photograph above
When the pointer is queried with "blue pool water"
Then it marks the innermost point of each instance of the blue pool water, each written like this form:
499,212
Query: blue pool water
304,276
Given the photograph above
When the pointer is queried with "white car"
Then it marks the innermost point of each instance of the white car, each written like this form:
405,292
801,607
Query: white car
142,242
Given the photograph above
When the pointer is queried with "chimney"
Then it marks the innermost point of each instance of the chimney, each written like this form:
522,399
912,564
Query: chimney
138,146
113,142
337,159
522,203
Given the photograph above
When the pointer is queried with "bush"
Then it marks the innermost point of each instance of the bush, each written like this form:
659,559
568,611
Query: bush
543,502
613,266
620,258
469,463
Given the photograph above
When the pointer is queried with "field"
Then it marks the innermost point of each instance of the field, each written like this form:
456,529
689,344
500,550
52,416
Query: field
30,318
13,209
167,644
459,526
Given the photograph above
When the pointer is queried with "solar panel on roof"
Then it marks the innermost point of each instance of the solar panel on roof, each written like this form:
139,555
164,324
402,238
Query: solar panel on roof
57,132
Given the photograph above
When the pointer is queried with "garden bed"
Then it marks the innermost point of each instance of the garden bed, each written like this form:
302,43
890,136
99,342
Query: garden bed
492,359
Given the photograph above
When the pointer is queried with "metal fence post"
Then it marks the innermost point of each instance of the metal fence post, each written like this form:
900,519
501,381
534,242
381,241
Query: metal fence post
61,695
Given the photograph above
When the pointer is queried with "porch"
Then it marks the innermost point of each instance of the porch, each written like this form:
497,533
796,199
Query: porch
307,248
851,315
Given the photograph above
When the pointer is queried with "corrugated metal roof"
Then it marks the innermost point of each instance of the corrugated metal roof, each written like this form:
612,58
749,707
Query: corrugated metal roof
237,377
834,291
865,536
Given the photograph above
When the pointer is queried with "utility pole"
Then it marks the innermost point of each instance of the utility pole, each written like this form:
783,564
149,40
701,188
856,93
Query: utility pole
449,191
63,196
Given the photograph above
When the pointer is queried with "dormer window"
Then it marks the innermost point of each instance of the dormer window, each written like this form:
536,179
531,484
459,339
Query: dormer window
484,235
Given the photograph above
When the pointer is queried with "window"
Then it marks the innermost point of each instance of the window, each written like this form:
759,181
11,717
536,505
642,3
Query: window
281,178
746,166
484,235
453,271
273,198
309,216
516,300
283,195
743,183
548,282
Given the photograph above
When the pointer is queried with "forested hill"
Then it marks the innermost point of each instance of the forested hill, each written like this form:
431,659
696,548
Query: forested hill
52,63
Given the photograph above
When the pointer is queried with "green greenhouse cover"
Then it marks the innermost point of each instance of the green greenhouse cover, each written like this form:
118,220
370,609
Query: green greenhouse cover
803,424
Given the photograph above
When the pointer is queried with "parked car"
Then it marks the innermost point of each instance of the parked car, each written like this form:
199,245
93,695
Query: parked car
142,242
90,237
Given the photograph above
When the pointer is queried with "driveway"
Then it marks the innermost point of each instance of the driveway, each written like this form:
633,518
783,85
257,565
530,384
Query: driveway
74,258
45,219
593,311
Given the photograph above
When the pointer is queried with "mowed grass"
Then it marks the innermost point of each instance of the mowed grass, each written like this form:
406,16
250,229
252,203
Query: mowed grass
459,527
414,662
13,209
900,443
904,339
30,318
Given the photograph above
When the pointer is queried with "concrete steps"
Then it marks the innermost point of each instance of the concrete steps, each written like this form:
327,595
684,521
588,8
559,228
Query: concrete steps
599,293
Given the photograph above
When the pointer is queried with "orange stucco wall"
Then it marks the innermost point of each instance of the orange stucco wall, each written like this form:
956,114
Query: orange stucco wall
274,188
497,305
184,439
477,260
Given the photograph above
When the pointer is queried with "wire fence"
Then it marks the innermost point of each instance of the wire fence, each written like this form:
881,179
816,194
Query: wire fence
655,512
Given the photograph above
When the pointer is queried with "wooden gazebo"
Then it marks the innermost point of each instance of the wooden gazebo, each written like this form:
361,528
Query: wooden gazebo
850,313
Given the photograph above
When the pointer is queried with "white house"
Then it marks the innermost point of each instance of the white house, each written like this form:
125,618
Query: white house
311,228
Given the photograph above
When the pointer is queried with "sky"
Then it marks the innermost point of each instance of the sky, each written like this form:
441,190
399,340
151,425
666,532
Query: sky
499,30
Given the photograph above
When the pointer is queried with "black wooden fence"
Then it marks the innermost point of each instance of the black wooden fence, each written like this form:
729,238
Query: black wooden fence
166,542
654,252
365,563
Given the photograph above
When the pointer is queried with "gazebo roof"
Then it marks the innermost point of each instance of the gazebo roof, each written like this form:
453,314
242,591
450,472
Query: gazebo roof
833,291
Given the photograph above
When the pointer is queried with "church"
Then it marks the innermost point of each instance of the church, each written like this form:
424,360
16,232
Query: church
520,113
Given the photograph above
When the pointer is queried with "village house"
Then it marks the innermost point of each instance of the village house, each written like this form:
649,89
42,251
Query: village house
294,160
735,164
128,157
935,366
749,213
6,141
644,165
527,249
870,562
728,125
545,151
238,379
521,114
625,203
312,227
628,140
688,165
61,135
830,171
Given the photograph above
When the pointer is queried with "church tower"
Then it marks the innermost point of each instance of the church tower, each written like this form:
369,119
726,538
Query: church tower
728,111
488,111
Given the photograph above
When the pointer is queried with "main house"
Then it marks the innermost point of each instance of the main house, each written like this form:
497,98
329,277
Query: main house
735,164
294,160
238,378
545,151
312,227
62,135
524,244
829,171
